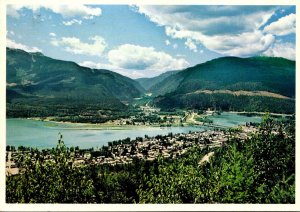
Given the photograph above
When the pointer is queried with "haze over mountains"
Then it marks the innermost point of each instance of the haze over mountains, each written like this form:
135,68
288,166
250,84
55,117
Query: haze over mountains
228,83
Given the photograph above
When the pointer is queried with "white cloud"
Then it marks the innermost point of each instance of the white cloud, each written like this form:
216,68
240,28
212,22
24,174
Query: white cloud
71,22
285,50
67,11
92,64
244,44
12,10
209,20
284,26
9,33
229,30
191,45
76,46
137,74
168,43
52,34
136,61
129,73
136,57
14,45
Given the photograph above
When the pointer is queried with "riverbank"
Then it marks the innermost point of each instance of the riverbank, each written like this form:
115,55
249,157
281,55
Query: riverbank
32,133
129,167
98,126
260,113
148,148
111,125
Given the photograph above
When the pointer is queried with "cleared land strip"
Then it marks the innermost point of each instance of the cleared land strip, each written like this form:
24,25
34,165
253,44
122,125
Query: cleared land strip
242,92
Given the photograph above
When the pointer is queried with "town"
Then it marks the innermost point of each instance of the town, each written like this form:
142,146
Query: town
126,150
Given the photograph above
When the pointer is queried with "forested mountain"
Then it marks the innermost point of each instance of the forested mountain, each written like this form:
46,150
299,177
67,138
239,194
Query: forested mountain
228,83
271,74
149,83
231,83
33,77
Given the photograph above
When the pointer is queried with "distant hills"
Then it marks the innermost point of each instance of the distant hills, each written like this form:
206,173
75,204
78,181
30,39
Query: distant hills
33,75
150,83
231,83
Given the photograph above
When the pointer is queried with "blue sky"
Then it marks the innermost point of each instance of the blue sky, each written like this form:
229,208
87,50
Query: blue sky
144,40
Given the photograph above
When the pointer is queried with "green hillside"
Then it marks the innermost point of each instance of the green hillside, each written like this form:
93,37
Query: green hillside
229,83
217,84
258,73
148,83
36,74
39,81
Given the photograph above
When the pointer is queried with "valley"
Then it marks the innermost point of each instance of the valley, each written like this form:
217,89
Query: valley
113,126
128,104
54,91
47,89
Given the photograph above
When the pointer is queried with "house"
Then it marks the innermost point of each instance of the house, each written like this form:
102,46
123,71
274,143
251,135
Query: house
87,155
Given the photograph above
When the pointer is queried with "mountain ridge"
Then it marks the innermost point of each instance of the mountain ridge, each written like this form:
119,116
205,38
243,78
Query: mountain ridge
148,83
180,80
40,86
267,77
33,76
34,71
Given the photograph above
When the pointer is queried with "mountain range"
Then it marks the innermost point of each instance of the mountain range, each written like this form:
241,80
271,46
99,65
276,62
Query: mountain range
34,76
227,83
230,83
149,84
232,73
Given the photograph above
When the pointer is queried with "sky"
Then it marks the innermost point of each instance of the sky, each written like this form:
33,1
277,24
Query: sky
148,40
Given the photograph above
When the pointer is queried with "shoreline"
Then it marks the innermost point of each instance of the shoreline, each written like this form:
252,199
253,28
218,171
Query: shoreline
259,113
67,125
91,126
72,127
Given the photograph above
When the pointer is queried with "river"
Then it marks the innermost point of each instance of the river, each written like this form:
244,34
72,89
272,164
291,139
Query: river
42,134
